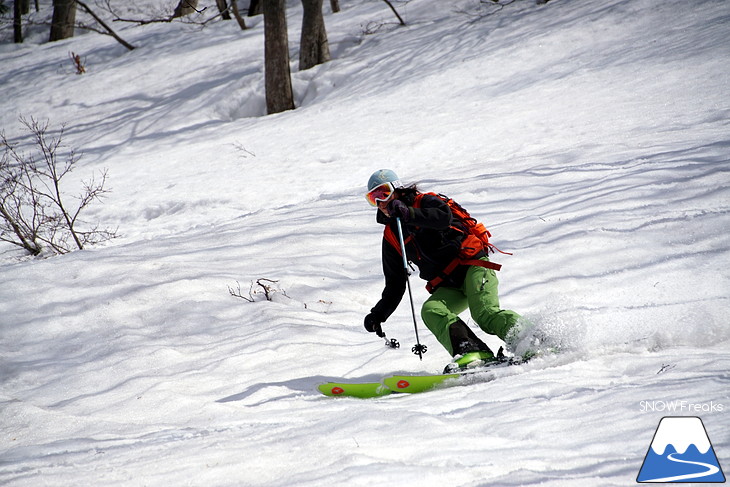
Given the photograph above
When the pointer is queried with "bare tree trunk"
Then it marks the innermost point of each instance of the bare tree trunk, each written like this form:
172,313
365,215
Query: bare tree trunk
255,8
279,94
237,15
223,8
335,5
17,22
64,16
314,48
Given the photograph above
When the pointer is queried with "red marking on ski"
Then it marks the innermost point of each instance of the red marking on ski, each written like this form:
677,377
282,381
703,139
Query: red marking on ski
402,384
337,390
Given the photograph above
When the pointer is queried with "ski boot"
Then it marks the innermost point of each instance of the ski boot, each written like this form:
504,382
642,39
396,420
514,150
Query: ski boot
469,351
469,361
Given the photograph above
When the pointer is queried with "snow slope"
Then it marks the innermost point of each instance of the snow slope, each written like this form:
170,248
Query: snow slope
592,137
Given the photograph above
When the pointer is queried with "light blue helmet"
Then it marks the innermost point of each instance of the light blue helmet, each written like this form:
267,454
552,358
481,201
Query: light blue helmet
383,176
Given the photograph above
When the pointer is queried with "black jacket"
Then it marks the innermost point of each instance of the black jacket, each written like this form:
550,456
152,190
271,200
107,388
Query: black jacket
435,243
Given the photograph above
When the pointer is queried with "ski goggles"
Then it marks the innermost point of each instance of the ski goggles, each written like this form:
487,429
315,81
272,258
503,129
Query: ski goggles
380,193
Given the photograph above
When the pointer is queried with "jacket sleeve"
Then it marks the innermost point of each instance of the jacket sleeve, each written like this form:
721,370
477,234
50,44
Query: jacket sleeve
395,283
433,213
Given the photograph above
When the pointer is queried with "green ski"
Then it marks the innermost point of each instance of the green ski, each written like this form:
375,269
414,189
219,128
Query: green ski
417,383
393,384
412,384
361,390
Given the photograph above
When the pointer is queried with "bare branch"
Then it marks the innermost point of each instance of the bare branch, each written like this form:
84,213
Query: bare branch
108,29
238,294
34,213
268,289
400,19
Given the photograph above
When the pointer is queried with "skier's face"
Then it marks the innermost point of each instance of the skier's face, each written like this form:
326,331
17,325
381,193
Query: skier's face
383,205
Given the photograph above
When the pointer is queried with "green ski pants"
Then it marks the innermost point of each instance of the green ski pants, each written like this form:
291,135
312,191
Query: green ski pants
479,295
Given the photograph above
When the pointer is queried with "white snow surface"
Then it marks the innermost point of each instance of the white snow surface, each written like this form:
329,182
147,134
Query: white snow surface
592,137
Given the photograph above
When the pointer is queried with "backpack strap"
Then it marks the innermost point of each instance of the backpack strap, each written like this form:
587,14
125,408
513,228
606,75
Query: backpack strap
390,236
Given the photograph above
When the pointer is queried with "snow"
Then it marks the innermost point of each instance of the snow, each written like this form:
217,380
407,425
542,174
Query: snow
591,137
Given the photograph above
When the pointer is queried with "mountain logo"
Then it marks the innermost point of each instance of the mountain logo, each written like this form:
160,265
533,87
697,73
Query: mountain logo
680,452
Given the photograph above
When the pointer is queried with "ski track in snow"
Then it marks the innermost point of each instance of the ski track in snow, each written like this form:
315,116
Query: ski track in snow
590,137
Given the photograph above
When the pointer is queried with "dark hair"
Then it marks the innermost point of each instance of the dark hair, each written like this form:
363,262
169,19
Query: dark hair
407,193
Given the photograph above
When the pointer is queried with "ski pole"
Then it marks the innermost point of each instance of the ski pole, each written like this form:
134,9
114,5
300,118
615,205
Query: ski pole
417,349
391,342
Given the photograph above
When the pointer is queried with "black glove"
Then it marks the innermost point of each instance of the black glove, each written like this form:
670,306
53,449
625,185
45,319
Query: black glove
397,208
372,324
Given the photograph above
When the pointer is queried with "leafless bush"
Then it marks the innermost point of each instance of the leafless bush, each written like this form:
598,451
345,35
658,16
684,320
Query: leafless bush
35,214
77,62
266,287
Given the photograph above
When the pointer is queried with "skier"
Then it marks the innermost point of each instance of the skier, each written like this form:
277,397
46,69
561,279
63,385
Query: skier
433,239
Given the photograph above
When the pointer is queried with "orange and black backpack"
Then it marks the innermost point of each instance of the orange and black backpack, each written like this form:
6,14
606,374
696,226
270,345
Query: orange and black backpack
475,241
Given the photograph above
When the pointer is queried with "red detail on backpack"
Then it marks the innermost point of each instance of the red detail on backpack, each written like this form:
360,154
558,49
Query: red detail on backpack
477,238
